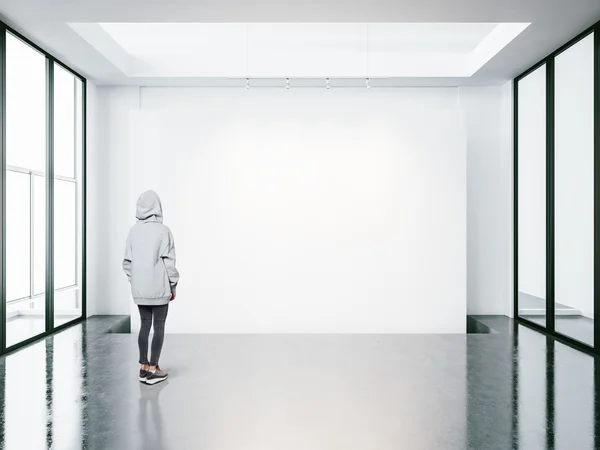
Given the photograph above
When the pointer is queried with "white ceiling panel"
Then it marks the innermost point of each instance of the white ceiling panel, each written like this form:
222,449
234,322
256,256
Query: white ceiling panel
311,50
408,38
307,50
182,49
415,65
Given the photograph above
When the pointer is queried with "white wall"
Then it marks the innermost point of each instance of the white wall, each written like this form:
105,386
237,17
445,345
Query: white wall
574,177
489,168
488,119
108,208
296,211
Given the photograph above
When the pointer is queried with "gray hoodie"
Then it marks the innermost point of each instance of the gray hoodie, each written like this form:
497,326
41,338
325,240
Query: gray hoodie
150,254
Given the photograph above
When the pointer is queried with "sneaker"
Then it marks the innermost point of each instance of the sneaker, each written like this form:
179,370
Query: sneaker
156,376
143,375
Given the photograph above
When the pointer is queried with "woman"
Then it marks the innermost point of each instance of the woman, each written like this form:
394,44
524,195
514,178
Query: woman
150,266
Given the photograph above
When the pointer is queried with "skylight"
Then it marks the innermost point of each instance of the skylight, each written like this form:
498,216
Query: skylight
270,50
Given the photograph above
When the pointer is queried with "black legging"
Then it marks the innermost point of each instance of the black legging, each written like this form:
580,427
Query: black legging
160,315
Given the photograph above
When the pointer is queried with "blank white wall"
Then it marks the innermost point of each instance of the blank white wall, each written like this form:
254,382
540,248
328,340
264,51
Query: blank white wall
107,206
301,212
489,273
574,177
308,210
532,183
488,120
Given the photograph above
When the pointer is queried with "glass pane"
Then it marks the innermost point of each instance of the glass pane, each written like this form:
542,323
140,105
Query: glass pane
68,199
39,235
25,106
25,317
66,306
574,191
64,234
532,196
25,220
18,233
64,123
79,175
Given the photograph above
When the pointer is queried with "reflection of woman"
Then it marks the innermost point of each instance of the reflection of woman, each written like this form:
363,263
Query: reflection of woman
152,436
150,266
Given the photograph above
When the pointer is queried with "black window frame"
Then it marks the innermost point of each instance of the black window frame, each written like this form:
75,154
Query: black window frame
50,327
550,327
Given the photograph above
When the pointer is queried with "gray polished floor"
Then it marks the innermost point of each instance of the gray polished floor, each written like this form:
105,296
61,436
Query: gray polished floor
78,390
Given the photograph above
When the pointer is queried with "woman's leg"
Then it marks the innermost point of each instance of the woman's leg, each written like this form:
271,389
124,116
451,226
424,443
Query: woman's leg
160,316
146,318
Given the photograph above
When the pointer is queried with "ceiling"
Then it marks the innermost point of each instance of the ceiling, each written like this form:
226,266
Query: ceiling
314,50
146,42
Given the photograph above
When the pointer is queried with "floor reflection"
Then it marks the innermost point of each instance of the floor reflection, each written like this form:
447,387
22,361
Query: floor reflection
24,406
150,416
65,364
523,391
564,394
43,395
553,395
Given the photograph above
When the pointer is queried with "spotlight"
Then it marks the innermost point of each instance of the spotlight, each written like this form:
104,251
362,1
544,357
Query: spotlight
247,83
368,82
327,83
287,83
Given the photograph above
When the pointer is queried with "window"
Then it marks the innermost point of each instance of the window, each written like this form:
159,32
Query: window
574,191
532,196
557,238
32,79
68,133
25,190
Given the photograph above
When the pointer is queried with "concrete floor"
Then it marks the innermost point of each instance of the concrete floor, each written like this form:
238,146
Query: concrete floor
78,390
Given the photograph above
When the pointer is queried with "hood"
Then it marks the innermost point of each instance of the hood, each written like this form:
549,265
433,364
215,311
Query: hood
149,207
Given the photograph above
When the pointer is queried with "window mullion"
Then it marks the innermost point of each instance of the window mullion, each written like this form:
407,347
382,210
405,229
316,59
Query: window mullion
49,195
31,239
75,162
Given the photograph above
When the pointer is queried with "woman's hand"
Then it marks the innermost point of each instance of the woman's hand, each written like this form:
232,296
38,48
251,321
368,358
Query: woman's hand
173,295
